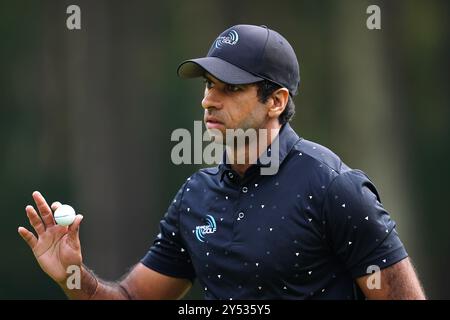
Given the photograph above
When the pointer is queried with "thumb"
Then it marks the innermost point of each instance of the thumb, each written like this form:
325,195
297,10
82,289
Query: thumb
74,228
28,236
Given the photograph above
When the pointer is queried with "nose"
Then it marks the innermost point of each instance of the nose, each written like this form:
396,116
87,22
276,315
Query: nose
211,99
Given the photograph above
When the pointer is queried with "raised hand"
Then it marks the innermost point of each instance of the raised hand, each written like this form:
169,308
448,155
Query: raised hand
55,247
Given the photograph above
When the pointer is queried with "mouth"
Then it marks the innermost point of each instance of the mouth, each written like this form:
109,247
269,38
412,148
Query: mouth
213,123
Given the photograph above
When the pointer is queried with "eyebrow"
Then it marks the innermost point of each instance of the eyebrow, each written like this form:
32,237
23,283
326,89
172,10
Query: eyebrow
209,77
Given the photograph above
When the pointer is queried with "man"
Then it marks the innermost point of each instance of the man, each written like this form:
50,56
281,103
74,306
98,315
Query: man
313,229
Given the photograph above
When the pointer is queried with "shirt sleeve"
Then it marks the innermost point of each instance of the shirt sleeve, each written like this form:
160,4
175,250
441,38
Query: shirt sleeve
359,230
167,255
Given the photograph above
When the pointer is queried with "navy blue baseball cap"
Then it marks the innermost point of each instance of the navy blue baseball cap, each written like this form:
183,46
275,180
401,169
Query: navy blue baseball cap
246,54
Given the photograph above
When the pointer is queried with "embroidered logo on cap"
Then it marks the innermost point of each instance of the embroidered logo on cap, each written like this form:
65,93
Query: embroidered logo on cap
231,39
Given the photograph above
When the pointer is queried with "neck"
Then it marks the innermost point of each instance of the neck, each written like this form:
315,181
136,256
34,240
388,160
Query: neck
242,157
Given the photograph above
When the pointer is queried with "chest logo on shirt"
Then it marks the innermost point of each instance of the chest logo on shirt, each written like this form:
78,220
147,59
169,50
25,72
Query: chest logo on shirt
210,227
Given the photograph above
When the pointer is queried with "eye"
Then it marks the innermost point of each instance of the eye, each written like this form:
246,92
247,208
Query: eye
233,87
208,83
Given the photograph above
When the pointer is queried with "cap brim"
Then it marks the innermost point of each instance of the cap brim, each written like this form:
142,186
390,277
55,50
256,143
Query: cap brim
218,68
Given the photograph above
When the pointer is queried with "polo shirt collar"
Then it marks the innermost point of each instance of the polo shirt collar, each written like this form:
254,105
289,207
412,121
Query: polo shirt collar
287,139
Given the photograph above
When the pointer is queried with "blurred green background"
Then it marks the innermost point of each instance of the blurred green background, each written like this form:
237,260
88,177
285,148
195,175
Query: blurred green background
86,116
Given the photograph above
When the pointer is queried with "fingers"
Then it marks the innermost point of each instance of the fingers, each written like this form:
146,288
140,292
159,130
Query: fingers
35,220
74,228
55,205
44,209
29,237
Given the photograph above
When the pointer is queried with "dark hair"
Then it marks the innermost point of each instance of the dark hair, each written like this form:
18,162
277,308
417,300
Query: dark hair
265,89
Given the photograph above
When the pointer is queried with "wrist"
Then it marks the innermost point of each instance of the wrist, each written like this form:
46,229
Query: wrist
81,284
90,282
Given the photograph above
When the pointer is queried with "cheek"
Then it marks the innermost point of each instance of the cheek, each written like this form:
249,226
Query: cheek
237,117
257,111
244,119
244,113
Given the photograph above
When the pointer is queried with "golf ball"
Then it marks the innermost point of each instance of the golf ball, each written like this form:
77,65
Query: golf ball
64,215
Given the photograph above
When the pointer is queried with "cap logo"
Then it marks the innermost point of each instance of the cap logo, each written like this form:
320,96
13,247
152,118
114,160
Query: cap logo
231,39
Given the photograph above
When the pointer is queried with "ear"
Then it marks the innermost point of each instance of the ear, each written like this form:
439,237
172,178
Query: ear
279,100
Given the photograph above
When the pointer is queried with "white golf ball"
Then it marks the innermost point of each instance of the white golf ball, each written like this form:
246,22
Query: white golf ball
64,215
